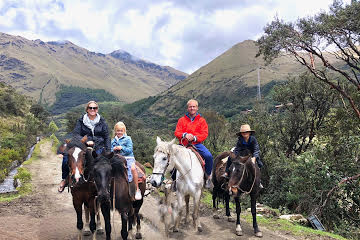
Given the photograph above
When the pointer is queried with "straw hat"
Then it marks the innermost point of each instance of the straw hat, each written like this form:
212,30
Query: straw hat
245,128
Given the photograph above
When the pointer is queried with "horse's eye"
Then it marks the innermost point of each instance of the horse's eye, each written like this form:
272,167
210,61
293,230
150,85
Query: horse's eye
164,159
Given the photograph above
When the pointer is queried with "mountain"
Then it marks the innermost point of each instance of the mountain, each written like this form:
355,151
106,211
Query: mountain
227,84
39,69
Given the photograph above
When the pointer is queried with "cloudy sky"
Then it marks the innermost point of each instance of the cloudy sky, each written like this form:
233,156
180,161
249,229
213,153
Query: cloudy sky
184,34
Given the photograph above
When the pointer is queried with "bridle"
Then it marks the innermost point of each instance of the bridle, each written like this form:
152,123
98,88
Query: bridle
242,177
163,172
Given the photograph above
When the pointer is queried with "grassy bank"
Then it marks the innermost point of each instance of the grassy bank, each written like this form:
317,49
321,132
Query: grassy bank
24,176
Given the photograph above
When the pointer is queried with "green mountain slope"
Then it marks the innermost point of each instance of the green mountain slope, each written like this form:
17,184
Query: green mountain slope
38,69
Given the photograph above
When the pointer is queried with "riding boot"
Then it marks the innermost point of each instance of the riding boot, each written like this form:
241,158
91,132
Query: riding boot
208,183
226,174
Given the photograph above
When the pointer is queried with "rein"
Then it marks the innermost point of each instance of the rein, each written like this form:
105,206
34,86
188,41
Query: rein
241,179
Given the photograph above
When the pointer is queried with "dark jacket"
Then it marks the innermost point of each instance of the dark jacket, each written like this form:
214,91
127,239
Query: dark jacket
101,133
252,145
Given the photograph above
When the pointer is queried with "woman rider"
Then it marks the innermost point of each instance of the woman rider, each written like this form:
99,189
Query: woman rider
97,131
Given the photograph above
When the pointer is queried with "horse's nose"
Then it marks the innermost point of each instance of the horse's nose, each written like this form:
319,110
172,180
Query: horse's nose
153,183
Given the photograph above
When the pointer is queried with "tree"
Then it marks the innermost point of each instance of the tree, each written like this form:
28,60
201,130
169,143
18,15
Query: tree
305,105
53,128
218,132
339,28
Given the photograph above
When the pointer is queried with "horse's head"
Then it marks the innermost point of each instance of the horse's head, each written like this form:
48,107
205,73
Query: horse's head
162,162
77,161
102,176
239,174
61,149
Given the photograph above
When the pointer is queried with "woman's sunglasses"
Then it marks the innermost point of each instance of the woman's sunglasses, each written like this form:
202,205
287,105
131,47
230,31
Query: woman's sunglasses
93,108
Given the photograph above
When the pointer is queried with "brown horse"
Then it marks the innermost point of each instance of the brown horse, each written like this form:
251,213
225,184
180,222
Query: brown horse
83,192
244,178
110,176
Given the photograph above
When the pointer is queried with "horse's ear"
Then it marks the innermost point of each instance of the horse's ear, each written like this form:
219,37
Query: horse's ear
109,155
158,140
67,141
84,139
94,154
172,141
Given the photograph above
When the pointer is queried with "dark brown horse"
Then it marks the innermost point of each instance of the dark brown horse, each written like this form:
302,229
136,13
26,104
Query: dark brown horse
244,178
83,192
110,175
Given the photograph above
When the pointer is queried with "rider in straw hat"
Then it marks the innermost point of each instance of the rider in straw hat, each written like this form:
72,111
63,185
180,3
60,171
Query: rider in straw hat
246,143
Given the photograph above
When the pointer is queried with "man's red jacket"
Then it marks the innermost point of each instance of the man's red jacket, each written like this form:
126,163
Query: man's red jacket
198,127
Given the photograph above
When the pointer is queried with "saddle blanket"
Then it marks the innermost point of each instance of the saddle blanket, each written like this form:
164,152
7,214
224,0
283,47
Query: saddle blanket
201,160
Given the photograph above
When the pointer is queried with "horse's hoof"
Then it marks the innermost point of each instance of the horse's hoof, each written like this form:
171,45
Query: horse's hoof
86,232
239,233
215,216
231,219
138,235
259,234
200,229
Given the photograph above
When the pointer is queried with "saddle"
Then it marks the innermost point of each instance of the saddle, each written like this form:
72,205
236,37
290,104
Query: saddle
200,158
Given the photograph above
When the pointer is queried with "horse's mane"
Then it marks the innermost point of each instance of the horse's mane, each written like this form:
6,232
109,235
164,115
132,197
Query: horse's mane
163,147
118,164
76,141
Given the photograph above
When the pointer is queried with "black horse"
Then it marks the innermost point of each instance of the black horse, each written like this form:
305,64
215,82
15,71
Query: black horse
110,176
244,178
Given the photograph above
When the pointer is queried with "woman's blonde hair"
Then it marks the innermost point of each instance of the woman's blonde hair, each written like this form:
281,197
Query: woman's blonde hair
90,102
119,125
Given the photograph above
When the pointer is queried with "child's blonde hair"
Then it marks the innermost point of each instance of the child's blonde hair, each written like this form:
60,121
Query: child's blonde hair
119,125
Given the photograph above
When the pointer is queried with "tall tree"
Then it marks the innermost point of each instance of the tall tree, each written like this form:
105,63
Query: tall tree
310,39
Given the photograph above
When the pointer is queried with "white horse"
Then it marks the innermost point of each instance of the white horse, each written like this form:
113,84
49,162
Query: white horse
189,177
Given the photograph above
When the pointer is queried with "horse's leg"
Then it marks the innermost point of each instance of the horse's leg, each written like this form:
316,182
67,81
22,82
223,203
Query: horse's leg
86,231
257,231
105,210
227,207
178,213
196,219
138,226
79,222
187,199
92,215
131,217
239,231
124,221
99,228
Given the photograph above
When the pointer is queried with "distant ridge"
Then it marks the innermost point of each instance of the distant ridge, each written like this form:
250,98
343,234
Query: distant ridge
227,84
38,69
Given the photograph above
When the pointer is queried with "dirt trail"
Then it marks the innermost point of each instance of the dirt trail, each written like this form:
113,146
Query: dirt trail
46,214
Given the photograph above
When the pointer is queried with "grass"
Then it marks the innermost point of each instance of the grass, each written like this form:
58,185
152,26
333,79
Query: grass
148,171
24,176
287,226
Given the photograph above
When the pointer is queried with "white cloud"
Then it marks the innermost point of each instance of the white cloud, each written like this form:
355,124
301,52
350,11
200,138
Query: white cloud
185,34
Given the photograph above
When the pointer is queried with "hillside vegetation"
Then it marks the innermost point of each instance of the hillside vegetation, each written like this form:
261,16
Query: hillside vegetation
21,121
38,69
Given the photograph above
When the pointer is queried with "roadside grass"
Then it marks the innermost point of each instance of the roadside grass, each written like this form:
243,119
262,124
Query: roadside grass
275,224
24,176
148,171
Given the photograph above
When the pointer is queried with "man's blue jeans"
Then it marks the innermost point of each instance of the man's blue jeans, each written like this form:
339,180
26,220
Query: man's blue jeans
65,166
206,154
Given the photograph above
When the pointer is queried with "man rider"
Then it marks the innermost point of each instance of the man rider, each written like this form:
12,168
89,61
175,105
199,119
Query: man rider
192,128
